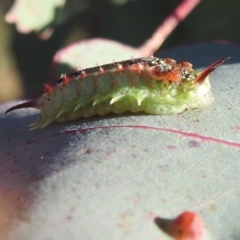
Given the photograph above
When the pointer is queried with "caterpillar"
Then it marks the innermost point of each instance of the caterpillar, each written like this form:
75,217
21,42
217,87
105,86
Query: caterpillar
151,85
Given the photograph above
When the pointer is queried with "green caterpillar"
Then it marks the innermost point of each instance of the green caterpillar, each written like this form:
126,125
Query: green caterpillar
151,85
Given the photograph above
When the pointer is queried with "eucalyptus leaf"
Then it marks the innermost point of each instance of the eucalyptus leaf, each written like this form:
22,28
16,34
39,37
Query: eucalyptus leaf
109,177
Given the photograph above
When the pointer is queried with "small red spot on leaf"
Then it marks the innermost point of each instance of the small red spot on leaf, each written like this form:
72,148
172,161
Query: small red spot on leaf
69,217
88,151
171,147
237,128
187,226
193,144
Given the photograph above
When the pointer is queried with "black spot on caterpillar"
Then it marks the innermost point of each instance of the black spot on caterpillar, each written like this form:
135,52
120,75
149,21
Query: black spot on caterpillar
151,85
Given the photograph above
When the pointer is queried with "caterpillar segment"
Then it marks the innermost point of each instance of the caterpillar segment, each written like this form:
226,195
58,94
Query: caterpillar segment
150,85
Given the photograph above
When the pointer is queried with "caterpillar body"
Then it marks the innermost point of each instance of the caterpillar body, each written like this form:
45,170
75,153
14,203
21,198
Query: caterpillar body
151,85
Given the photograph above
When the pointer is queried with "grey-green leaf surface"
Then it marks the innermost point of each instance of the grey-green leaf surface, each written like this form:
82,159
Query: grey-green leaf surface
108,177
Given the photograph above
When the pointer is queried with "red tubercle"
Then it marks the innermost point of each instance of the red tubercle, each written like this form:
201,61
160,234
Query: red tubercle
201,78
174,75
121,67
83,75
161,73
101,71
186,65
66,79
170,61
49,88
138,67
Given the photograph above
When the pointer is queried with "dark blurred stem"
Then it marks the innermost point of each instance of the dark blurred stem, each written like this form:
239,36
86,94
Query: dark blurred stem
166,28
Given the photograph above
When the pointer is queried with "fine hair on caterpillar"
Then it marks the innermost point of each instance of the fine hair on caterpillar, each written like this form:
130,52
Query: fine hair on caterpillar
151,85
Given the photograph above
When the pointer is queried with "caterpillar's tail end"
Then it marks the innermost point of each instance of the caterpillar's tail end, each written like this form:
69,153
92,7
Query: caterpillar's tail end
201,78
28,104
